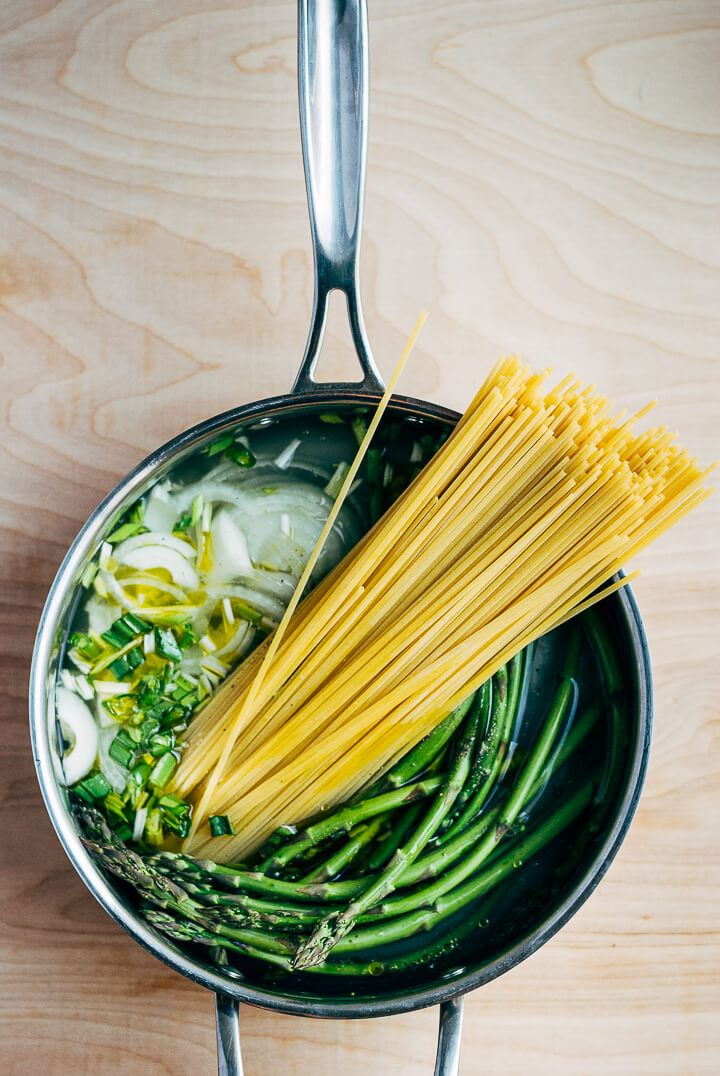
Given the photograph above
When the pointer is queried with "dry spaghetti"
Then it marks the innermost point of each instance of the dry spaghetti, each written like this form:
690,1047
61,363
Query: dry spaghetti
532,504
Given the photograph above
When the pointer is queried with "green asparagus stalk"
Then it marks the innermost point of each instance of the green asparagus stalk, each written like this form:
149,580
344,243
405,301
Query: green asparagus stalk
359,837
565,700
343,820
508,686
425,919
332,929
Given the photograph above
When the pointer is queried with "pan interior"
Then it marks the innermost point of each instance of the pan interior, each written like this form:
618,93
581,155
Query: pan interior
535,894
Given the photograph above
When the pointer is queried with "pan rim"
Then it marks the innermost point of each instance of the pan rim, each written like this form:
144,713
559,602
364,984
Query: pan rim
163,949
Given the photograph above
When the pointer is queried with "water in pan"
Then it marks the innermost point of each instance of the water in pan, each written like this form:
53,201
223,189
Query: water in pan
316,446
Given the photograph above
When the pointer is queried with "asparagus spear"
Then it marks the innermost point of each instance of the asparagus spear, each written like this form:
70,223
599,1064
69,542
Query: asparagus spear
564,702
508,685
332,929
407,925
359,838
344,819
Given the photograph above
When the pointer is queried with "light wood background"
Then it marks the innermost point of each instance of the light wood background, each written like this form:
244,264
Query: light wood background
544,178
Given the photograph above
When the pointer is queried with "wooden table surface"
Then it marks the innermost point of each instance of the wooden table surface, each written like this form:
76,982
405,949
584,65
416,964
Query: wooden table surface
543,177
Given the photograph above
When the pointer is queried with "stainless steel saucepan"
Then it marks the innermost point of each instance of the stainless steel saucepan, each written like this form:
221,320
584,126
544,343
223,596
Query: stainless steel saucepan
333,90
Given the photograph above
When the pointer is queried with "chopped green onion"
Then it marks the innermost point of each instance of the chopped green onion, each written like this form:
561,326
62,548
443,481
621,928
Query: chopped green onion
119,668
96,786
359,428
163,770
115,805
135,624
183,523
374,465
269,489
89,574
335,484
173,803
240,454
135,657
122,748
188,638
85,644
153,827
331,418
112,638
127,530
121,707
197,509
167,645
160,742
221,826
247,612
219,446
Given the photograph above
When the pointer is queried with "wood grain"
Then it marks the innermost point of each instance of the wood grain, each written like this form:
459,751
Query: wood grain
543,177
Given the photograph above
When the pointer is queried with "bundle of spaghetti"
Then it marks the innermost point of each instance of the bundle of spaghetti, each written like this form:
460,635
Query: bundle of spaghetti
520,520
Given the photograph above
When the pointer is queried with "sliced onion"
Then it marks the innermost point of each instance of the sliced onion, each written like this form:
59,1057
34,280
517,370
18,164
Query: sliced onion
285,458
230,550
112,771
78,726
148,557
154,538
262,602
160,513
235,643
117,591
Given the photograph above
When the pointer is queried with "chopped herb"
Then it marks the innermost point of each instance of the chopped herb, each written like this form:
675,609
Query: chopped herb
269,489
167,645
374,465
160,743
115,805
85,644
127,530
121,707
197,509
247,612
119,668
221,826
163,770
332,419
359,428
89,574
96,786
335,484
153,827
240,454
183,523
219,446
122,748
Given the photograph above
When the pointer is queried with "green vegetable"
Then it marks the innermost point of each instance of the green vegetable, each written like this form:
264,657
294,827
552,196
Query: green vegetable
122,748
127,530
240,454
220,825
96,786
166,645
220,445
163,770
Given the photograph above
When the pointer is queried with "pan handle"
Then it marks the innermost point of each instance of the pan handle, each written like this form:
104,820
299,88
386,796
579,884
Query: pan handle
227,1021
447,1061
227,1014
333,95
